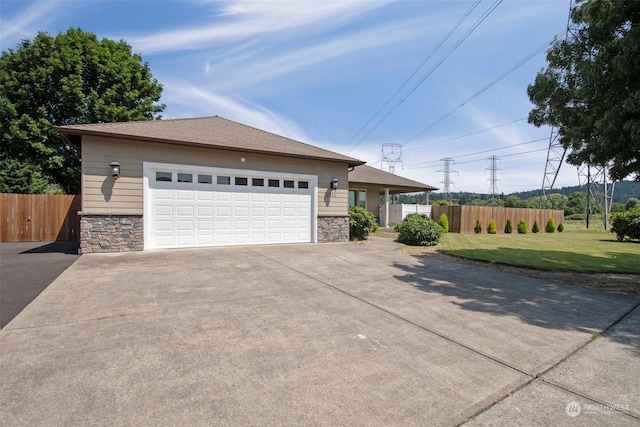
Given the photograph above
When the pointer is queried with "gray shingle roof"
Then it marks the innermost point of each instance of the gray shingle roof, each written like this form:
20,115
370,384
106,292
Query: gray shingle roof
211,132
368,175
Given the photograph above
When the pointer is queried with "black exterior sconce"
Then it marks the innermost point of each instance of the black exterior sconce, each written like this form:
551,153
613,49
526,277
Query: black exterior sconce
334,183
115,169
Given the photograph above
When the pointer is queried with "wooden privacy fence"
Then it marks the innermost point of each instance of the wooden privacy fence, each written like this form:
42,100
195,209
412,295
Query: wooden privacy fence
462,219
39,218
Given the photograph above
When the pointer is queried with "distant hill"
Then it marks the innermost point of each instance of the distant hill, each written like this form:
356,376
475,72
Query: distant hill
623,191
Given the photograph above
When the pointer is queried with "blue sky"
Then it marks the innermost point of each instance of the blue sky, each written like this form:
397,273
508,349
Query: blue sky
319,71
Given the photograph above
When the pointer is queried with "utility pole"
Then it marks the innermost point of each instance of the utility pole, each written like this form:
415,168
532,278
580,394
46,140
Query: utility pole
447,177
493,180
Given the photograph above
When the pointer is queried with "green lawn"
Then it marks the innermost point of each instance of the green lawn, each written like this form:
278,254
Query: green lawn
576,249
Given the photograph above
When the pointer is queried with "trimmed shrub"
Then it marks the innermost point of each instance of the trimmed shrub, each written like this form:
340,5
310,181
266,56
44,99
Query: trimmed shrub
551,226
626,225
444,222
478,228
508,228
361,223
575,217
522,226
492,228
420,230
535,228
560,228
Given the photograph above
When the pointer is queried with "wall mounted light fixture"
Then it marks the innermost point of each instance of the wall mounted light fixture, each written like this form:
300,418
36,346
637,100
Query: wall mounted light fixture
334,183
115,169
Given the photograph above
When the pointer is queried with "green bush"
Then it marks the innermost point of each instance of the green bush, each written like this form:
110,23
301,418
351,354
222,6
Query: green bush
420,230
535,228
478,228
361,223
492,228
508,228
397,227
444,222
522,226
551,226
560,228
626,225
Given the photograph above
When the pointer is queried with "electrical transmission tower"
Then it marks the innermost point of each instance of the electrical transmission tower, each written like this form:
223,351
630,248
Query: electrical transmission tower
598,190
493,180
593,177
391,155
556,152
447,177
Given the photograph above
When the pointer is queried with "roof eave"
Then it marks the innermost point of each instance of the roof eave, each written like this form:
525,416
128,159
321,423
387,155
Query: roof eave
66,133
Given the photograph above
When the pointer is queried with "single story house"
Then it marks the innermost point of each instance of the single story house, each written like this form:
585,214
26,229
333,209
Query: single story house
374,189
205,182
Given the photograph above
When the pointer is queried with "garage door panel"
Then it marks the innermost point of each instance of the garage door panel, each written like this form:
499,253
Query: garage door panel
184,214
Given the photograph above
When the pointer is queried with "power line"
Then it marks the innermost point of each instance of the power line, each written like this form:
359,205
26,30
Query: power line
431,70
483,159
481,91
486,151
467,135
435,49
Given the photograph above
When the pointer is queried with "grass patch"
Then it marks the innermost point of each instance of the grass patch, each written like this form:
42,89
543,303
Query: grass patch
577,249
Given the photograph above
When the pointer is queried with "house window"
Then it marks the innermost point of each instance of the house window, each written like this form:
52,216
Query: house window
223,180
205,179
257,182
303,184
163,176
274,183
358,198
241,181
288,184
185,177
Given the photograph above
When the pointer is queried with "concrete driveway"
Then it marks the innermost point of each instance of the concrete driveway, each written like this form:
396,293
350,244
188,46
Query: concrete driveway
328,334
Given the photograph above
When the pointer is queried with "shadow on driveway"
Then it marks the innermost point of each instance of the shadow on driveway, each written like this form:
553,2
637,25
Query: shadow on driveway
26,269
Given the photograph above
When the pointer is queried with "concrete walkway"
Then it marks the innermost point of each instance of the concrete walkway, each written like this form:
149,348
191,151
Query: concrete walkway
331,334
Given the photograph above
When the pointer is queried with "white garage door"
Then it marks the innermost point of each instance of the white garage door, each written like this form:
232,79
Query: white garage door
194,207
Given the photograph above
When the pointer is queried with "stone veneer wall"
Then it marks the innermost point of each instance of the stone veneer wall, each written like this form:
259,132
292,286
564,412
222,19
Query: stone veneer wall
111,233
333,229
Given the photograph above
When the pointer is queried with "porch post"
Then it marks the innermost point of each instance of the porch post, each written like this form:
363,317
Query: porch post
386,208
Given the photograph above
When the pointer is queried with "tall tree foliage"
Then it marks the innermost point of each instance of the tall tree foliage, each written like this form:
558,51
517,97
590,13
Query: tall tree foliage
72,78
590,90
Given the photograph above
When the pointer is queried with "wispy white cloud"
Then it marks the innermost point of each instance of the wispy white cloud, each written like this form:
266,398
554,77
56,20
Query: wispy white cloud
255,68
245,19
183,96
22,26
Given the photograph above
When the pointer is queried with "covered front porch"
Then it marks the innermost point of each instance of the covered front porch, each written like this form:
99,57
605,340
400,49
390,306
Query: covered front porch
377,191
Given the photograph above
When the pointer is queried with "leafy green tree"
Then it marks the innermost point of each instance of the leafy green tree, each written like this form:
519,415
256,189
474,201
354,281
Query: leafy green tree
576,204
632,203
590,90
72,78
